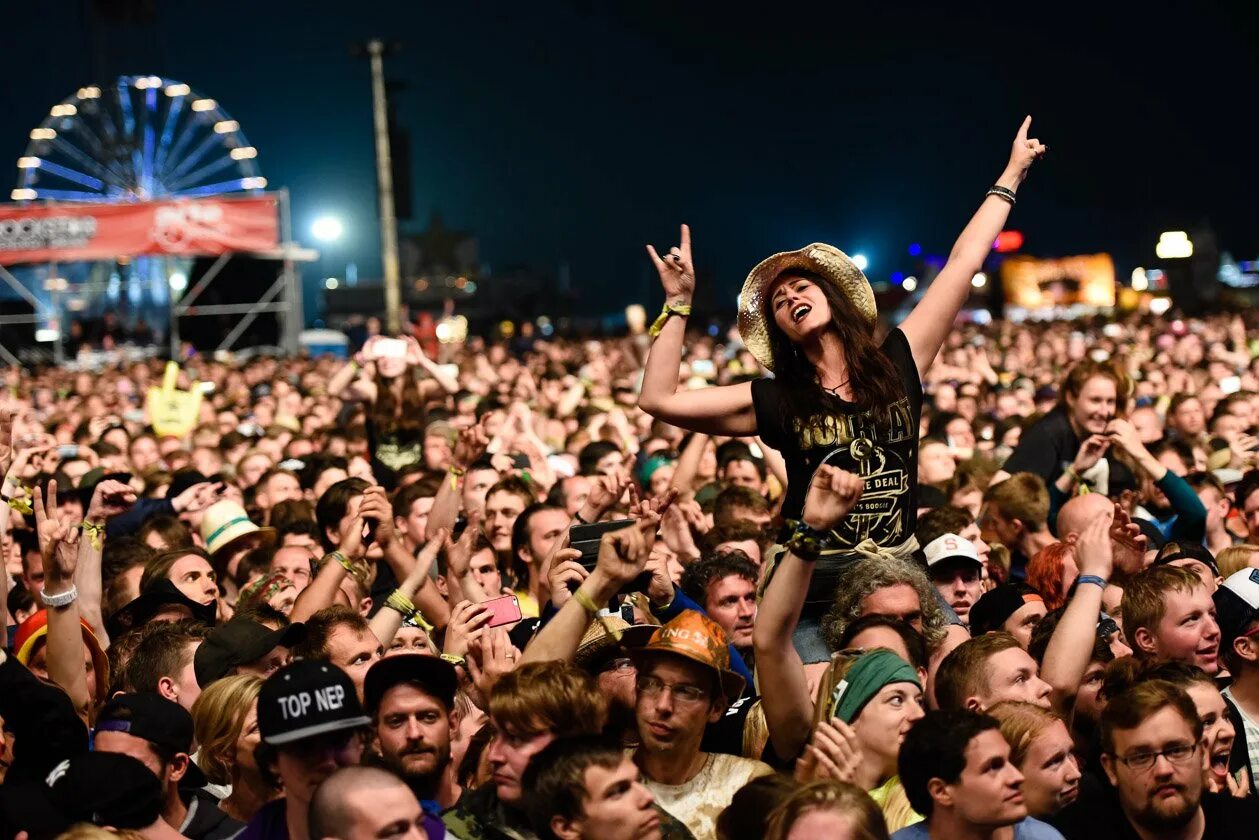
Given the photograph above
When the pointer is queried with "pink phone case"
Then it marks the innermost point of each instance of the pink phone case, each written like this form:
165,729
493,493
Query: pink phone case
505,610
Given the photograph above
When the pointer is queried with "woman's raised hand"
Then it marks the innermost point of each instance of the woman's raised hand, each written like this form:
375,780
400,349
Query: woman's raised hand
676,269
1026,151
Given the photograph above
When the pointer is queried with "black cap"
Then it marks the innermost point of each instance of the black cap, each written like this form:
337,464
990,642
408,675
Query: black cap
162,593
998,604
182,480
239,642
151,717
307,698
87,485
1175,550
1153,536
108,789
432,675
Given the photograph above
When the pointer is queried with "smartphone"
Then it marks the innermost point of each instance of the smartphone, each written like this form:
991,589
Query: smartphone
205,387
369,532
391,348
1230,385
504,610
68,450
520,462
586,539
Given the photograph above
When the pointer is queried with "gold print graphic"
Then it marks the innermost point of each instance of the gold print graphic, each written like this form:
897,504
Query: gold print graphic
878,516
893,424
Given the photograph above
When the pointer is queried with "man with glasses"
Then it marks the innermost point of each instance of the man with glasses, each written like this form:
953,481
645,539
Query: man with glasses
1152,755
684,684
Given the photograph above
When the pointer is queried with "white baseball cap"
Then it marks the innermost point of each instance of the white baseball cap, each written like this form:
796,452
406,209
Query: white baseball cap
1237,604
948,547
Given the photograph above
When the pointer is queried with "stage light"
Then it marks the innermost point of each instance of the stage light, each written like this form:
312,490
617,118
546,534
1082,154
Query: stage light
910,284
1160,305
204,105
331,283
915,250
327,229
178,281
23,195
43,134
244,153
1140,280
860,261
178,90
979,280
226,126
28,163
1173,245
1008,241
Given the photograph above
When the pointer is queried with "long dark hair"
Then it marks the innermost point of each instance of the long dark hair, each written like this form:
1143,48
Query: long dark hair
385,414
872,376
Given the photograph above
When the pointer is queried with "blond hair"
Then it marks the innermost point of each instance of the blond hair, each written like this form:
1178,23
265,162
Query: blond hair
555,697
866,820
1021,724
1144,602
1235,558
218,717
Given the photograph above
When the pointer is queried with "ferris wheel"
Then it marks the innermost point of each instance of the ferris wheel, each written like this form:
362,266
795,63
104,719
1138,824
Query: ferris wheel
140,139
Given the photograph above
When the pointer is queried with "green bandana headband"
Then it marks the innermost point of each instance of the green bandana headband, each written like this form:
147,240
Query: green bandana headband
866,678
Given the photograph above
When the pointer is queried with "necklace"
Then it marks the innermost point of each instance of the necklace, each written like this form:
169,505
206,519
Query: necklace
834,390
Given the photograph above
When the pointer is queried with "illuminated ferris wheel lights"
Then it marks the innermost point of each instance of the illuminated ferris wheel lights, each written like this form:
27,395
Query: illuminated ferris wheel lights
253,183
226,126
204,105
146,82
244,153
91,92
28,163
178,90
65,109
43,134
22,195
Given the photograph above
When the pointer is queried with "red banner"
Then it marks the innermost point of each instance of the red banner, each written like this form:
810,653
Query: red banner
186,227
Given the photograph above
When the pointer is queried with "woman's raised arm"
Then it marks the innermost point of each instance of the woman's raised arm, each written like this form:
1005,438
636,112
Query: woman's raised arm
726,410
932,319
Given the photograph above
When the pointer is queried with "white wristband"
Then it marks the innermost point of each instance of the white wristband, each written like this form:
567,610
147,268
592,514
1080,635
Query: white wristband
61,599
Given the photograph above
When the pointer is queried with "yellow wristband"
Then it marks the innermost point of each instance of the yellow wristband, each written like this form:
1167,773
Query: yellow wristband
585,602
682,309
93,533
340,558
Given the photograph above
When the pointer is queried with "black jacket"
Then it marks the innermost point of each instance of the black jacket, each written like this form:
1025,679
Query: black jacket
205,820
46,729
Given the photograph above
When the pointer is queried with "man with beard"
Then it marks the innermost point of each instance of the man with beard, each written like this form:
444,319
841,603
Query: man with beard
411,700
1152,755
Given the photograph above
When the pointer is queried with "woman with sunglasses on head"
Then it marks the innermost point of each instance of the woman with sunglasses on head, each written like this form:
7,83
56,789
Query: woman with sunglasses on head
838,396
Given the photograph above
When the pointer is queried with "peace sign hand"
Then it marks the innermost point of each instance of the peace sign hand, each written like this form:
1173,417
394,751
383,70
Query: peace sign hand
1026,151
58,540
676,270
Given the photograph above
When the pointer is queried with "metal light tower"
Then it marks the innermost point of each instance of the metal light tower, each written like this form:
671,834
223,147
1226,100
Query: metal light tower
384,182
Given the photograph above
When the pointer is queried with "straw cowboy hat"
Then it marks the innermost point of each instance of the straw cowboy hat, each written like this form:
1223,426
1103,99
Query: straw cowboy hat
598,642
225,527
826,261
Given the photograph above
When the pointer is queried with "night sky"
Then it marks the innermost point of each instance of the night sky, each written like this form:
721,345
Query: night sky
578,131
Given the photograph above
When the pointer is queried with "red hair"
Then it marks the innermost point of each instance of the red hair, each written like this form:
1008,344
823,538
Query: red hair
1045,573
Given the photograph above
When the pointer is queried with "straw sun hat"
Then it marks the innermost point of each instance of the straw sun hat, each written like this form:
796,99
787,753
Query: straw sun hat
826,261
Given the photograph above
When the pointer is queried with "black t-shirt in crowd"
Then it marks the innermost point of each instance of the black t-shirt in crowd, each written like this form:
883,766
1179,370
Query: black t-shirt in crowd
879,444
1050,445
1101,816
1046,448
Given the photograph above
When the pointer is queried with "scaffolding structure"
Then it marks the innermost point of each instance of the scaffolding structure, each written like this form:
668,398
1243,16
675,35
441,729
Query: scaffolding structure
282,298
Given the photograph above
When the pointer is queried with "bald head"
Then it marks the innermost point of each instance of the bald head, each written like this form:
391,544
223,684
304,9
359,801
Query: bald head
356,803
1077,513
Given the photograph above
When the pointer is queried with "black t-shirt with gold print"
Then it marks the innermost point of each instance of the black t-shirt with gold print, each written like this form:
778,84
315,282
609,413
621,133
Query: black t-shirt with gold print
880,444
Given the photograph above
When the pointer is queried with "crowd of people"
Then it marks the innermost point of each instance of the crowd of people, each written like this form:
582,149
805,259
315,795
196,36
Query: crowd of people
824,577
